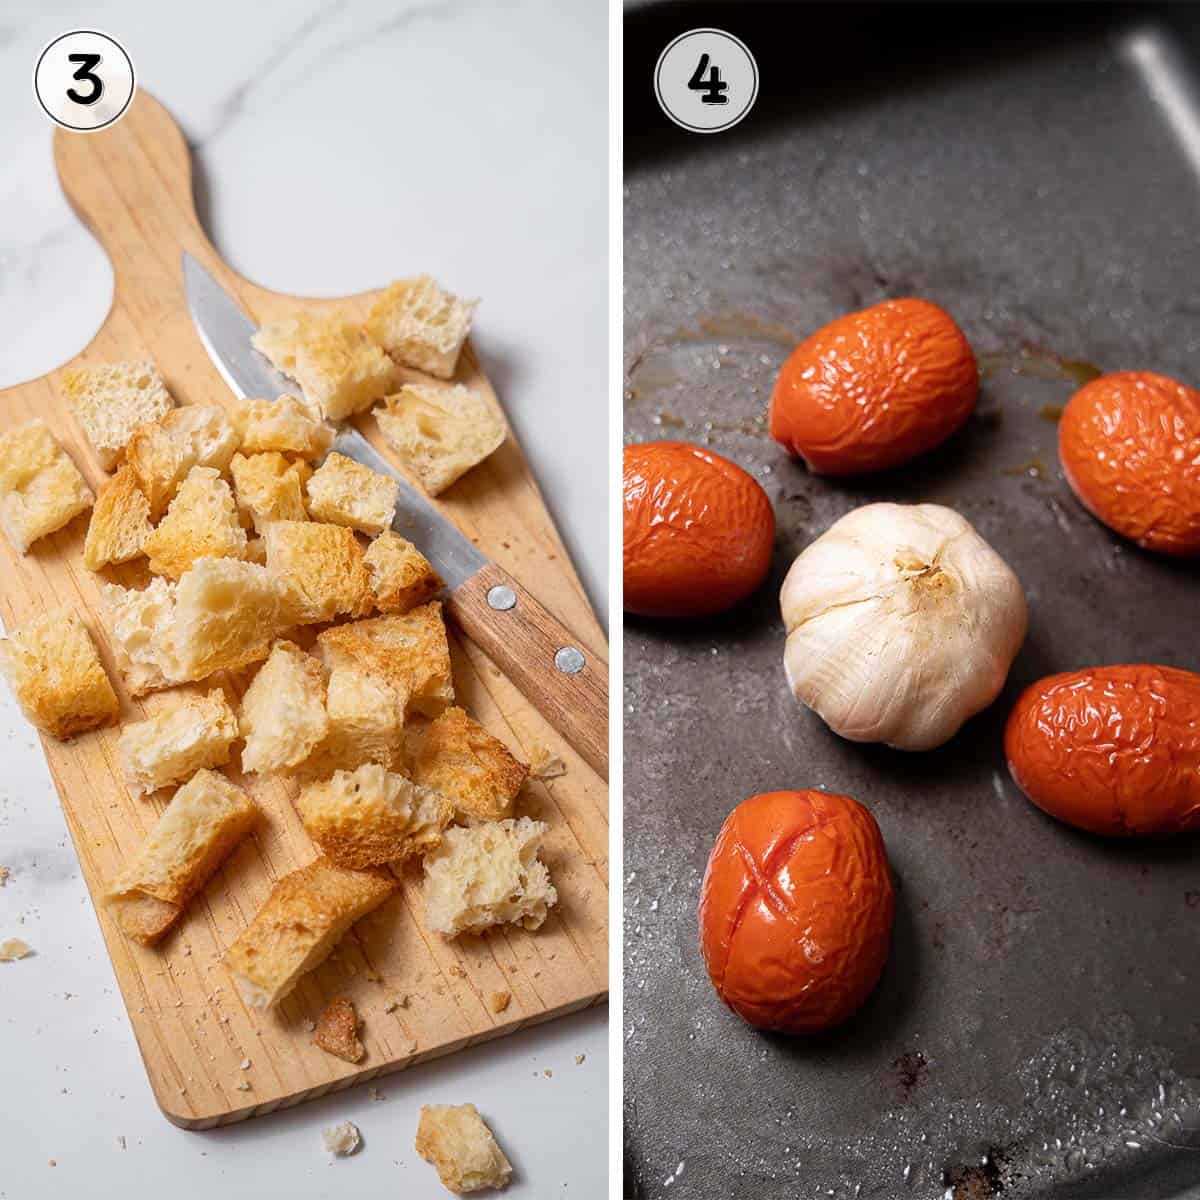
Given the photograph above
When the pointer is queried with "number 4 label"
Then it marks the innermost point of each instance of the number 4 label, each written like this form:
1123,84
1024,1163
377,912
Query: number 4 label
713,86
706,80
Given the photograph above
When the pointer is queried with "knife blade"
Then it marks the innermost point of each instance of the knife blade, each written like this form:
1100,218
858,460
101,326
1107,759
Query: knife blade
565,680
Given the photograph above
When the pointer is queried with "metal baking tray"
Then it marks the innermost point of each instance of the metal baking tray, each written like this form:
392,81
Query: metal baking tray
1036,170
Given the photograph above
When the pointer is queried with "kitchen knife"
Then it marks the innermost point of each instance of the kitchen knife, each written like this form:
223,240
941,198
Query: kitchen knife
564,680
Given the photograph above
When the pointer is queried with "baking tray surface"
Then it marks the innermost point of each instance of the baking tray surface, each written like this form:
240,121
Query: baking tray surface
1037,1030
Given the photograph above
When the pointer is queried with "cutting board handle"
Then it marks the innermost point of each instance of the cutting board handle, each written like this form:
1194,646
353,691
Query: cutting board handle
131,184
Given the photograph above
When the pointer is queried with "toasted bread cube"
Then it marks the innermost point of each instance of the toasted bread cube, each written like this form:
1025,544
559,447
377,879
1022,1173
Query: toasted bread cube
226,615
364,725
270,487
41,489
347,493
440,433
285,425
206,818
202,522
142,628
408,652
337,1030
459,758
110,400
371,816
487,875
55,672
340,369
283,711
421,325
164,451
302,920
320,570
193,732
401,576
25,450
455,1140
120,523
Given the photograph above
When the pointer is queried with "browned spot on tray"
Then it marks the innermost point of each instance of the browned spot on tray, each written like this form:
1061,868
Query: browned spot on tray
909,1068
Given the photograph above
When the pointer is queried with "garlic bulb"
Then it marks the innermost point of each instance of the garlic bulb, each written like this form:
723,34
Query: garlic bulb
902,622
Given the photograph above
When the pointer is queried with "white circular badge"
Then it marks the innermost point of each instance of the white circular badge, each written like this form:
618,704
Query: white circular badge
706,80
84,80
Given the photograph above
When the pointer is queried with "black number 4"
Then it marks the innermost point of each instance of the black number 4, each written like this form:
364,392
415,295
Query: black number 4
714,87
87,65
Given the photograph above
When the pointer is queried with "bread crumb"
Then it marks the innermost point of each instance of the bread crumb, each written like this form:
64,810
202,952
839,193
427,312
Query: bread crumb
342,1140
13,949
309,1026
4,873
390,1006
374,1093
498,1001
549,1074
579,1059
121,1142
337,1031
244,1086
458,1143
457,971
545,764
245,1064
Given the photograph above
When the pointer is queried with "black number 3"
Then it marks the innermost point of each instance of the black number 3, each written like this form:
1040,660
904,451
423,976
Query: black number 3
87,65
714,87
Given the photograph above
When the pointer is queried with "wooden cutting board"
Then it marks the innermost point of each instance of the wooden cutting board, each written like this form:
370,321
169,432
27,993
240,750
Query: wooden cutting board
419,995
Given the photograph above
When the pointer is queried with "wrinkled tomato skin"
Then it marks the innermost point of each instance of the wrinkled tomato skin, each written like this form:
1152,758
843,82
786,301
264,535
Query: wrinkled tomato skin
1112,750
698,531
875,388
796,910
1129,445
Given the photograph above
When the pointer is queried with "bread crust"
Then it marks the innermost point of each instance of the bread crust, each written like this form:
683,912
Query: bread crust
55,672
302,920
337,1030
372,816
205,820
458,757
408,651
457,1142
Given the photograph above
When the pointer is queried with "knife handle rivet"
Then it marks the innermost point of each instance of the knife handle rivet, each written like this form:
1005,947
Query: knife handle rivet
569,660
502,598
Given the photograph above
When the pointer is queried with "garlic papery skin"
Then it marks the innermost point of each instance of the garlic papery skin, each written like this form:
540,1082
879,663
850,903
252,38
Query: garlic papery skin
902,622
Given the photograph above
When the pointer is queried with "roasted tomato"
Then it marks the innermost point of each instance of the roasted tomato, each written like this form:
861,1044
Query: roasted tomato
875,388
1129,444
1113,750
796,910
698,531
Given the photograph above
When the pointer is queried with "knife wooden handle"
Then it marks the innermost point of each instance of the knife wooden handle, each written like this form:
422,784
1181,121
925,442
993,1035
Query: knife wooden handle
566,681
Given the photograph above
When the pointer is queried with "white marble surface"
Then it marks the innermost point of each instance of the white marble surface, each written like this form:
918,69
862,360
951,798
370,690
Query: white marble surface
336,144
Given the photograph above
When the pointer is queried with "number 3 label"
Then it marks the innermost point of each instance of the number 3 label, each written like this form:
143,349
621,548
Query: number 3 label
706,80
84,80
